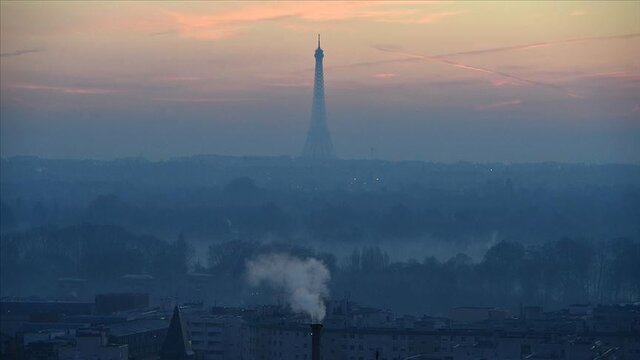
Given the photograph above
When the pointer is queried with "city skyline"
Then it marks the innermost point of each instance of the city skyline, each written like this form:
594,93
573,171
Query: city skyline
435,81
319,180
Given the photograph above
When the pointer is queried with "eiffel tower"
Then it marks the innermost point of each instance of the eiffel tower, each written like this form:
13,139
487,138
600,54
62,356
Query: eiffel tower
318,144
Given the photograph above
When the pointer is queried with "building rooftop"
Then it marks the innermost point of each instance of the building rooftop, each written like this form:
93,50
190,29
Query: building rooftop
137,326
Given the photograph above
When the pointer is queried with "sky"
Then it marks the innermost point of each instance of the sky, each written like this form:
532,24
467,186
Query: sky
435,81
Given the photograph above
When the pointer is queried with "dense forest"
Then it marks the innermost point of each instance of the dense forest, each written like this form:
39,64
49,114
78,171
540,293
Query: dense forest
460,203
414,237
552,274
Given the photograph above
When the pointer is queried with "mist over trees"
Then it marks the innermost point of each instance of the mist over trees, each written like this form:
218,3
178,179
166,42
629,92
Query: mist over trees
552,274
414,237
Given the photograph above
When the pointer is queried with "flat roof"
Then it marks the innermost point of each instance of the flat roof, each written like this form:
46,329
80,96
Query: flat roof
137,326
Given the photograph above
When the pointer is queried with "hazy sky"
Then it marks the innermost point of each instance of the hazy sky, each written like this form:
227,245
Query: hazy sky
440,81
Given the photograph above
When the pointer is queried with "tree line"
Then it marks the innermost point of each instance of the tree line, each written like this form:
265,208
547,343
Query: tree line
552,274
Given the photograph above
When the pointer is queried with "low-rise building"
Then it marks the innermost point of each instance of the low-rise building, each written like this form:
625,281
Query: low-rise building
144,337
93,344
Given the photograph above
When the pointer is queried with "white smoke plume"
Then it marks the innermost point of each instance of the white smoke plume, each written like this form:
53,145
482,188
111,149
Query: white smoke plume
302,281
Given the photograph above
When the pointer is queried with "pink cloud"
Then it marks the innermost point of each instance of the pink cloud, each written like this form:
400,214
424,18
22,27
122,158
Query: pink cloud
64,89
497,105
232,22
303,27
383,75
503,82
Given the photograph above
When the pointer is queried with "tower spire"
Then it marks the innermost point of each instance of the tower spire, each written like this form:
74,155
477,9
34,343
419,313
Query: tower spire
318,144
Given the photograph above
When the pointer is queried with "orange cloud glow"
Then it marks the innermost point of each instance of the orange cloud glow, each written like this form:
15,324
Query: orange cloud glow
232,22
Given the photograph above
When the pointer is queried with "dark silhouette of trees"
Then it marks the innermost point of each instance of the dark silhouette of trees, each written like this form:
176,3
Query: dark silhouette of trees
67,218
553,274
508,275
35,259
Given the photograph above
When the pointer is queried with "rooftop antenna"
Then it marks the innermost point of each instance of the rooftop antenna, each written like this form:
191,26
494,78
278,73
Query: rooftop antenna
318,41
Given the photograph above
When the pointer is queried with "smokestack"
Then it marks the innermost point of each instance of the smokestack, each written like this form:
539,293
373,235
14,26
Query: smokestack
316,330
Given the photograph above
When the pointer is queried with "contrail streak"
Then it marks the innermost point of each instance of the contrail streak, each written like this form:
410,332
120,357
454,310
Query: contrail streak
373,63
499,49
484,70
537,44
21,52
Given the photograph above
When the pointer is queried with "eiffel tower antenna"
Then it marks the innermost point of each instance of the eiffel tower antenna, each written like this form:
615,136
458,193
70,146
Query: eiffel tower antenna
318,145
